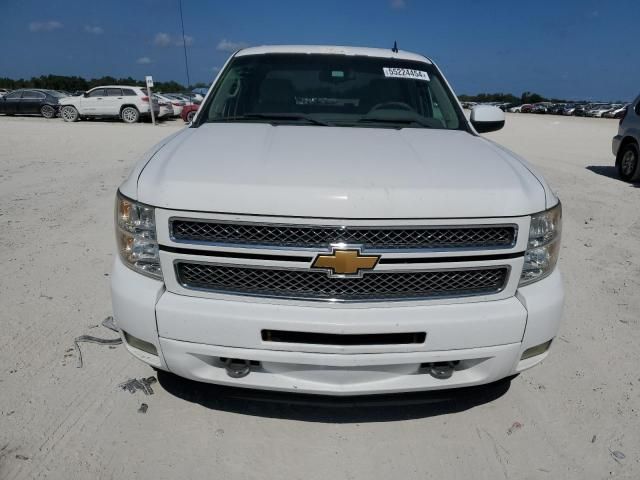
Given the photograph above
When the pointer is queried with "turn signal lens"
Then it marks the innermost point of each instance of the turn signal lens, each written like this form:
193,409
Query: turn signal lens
140,344
537,350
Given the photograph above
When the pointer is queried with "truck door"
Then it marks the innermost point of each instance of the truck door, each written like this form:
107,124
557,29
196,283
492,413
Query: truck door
93,103
113,100
31,102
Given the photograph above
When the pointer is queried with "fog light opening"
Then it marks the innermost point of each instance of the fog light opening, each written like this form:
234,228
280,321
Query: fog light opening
135,342
537,350
237,368
441,370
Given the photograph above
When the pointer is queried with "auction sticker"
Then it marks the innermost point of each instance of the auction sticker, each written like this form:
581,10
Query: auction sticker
405,73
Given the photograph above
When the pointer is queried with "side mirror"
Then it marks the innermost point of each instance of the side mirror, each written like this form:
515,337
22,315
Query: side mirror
486,118
85,94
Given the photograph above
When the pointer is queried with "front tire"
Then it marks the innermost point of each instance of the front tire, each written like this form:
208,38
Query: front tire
190,116
69,113
47,111
628,163
130,115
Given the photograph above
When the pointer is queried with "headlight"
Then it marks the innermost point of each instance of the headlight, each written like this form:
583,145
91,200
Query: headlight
136,237
543,247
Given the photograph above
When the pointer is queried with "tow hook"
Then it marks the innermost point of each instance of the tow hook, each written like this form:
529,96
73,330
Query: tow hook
237,368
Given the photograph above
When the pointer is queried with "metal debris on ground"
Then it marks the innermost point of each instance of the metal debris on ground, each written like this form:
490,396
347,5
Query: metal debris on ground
143,408
22,457
617,455
134,384
90,339
110,323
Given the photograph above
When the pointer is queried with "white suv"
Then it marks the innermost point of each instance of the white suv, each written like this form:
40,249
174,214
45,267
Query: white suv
125,102
626,144
332,223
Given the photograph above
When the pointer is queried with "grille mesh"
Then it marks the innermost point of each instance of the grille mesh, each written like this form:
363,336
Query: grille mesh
322,237
318,285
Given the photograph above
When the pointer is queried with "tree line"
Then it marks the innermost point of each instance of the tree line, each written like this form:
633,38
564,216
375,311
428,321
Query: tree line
75,83
526,97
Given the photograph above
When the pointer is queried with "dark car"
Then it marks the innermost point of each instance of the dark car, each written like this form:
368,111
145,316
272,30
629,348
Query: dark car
581,110
33,101
540,108
621,112
556,109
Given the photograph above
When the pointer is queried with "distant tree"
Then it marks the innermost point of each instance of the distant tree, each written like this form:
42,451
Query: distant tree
490,97
530,97
526,97
168,87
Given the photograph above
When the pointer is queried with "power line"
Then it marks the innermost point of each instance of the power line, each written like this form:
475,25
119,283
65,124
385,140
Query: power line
184,46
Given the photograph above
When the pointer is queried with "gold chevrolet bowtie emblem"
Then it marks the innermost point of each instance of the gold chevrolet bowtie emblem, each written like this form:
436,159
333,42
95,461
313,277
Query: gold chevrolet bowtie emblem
346,262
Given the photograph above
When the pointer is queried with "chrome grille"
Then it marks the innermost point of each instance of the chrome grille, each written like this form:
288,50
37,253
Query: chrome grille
301,236
308,284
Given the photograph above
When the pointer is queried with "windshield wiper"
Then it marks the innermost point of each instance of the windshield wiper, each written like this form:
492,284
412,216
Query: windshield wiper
279,116
401,121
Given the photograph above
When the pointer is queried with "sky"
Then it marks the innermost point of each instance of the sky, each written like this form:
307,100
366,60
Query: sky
575,49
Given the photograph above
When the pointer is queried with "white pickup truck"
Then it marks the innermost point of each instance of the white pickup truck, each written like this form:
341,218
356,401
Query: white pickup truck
331,223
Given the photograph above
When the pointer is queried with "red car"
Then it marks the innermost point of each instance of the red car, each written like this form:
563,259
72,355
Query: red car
189,111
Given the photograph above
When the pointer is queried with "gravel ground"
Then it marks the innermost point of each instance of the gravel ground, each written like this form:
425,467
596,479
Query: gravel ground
575,416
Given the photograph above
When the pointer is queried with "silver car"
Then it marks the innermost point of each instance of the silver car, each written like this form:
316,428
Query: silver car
626,143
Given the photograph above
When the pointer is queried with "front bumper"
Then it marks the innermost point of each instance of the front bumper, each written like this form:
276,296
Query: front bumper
487,338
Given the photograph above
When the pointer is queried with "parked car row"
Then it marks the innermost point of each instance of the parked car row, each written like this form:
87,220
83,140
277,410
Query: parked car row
190,102
129,103
504,106
599,110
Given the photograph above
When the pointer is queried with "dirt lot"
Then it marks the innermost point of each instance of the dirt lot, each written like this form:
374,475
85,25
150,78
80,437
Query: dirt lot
575,416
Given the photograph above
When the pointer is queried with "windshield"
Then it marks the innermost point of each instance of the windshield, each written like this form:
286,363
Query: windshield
333,90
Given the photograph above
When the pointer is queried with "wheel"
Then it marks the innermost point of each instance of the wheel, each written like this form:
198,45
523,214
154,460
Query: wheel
190,116
47,111
130,115
628,163
69,113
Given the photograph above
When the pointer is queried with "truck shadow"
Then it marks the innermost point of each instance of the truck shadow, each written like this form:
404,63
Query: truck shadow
611,172
325,409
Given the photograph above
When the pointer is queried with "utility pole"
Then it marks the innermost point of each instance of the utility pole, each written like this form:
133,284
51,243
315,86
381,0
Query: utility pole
184,46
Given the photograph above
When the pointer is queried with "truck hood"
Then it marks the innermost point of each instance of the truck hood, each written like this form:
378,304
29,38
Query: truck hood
315,171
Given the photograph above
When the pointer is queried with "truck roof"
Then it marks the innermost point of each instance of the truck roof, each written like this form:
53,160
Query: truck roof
335,50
